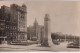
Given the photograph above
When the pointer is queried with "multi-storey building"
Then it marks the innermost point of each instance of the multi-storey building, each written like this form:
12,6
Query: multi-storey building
13,23
18,24
4,22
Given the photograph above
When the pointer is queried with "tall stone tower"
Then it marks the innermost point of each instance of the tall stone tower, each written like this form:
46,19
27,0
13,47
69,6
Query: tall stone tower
47,33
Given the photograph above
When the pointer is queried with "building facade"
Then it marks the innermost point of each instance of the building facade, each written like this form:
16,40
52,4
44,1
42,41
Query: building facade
14,23
41,34
4,22
35,32
18,32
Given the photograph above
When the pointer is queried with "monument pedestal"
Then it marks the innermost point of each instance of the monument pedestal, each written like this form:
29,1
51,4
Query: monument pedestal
45,44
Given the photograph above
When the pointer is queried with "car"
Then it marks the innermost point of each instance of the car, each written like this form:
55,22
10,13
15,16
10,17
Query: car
74,45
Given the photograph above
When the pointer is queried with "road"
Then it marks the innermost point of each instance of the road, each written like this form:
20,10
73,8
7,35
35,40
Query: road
36,47
63,47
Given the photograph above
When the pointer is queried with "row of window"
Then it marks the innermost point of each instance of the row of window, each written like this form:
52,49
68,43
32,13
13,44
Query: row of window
13,33
7,33
8,27
5,17
21,15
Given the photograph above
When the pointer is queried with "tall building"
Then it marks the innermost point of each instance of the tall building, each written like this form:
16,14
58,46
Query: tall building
36,28
18,23
13,23
4,22
35,32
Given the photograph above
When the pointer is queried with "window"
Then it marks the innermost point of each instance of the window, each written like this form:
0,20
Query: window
22,36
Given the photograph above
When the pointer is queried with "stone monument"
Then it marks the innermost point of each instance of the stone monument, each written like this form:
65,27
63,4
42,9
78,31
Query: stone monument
47,41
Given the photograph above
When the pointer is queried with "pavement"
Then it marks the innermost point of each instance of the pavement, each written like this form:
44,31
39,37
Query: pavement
37,47
33,47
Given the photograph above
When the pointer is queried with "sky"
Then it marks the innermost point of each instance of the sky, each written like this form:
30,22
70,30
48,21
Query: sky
64,16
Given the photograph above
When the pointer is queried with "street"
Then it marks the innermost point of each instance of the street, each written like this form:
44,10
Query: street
63,47
36,47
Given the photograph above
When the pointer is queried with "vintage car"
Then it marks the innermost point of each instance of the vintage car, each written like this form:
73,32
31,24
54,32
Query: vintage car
74,45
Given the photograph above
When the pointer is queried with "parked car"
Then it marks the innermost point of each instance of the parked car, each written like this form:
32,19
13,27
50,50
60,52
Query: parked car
74,45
